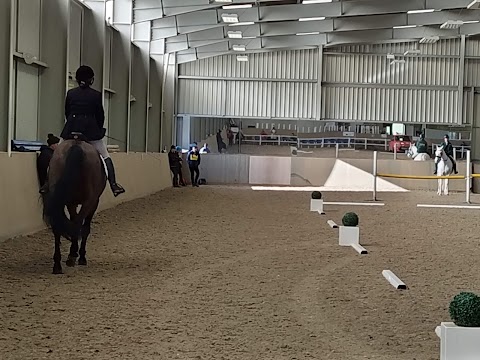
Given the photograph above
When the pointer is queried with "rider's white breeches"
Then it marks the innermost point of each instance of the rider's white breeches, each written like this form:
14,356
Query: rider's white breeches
101,148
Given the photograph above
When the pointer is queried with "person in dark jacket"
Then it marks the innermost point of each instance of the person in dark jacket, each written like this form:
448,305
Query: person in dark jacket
43,159
220,143
422,145
84,114
180,173
175,165
448,148
193,160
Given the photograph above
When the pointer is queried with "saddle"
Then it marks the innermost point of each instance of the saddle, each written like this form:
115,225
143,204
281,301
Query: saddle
80,137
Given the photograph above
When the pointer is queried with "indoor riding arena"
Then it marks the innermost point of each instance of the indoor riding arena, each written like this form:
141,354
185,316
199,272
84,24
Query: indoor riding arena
334,214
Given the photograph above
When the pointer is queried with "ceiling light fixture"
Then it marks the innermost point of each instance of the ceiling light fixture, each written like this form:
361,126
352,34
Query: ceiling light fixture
308,33
411,52
234,34
239,48
242,58
229,7
429,40
420,11
397,62
230,18
306,2
405,26
312,18
222,1
475,4
451,24
243,23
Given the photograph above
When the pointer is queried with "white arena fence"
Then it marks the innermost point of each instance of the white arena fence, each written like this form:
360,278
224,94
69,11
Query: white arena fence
316,142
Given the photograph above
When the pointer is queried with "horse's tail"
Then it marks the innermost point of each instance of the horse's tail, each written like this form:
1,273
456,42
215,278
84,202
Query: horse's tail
54,204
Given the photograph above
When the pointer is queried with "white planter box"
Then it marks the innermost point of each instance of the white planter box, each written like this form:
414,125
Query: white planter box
458,343
316,205
348,235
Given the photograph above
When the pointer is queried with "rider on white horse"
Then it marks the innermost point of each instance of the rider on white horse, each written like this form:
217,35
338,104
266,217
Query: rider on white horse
419,151
448,148
422,146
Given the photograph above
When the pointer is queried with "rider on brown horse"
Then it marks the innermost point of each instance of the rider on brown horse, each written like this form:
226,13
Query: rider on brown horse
85,115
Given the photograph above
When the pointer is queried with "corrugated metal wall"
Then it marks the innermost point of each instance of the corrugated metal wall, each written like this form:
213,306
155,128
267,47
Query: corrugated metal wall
389,105
277,84
358,84
290,65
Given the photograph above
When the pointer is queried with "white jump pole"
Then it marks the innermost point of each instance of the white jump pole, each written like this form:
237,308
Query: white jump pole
395,152
336,150
375,154
467,178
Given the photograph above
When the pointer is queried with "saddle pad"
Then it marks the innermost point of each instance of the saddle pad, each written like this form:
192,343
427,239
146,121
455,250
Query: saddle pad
104,165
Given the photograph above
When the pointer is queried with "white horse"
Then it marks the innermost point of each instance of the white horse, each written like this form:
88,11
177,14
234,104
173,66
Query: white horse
413,154
444,168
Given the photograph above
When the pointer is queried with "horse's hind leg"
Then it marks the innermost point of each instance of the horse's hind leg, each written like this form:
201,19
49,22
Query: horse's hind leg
57,256
85,233
72,256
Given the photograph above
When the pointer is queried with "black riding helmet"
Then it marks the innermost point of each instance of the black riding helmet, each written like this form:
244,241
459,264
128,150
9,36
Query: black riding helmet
84,75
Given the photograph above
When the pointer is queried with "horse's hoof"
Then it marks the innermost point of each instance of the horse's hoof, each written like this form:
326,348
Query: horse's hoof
57,270
71,261
82,262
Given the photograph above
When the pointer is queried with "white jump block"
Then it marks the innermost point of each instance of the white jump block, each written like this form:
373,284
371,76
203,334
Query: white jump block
457,342
360,249
317,205
332,224
348,235
394,280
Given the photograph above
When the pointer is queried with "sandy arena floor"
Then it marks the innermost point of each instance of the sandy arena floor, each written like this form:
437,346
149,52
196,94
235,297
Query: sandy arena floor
228,273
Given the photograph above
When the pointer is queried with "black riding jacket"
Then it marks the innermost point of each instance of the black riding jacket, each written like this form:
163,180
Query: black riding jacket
84,113
448,148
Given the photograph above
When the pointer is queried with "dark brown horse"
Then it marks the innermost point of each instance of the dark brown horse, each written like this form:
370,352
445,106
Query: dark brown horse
76,177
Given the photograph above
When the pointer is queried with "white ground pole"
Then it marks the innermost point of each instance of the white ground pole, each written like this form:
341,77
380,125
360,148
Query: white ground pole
336,150
467,178
375,158
332,224
394,280
360,249
395,152
471,207
354,203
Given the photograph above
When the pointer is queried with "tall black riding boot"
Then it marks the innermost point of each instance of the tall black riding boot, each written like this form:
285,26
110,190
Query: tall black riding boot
435,170
116,188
